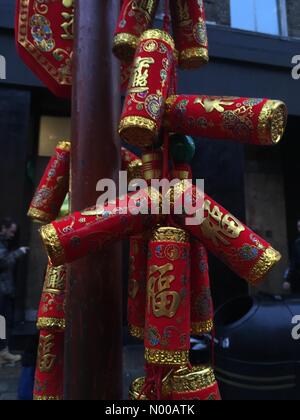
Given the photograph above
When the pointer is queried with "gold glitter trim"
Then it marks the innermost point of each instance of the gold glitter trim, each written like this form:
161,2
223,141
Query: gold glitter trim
135,390
135,170
266,262
53,245
200,328
39,216
193,58
272,122
160,35
46,398
165,357
64,145
138,131
124,46
51,324
170,234
189,380
136,332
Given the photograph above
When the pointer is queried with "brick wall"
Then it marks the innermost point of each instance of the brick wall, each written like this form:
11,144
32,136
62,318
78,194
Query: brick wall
293,12
218,11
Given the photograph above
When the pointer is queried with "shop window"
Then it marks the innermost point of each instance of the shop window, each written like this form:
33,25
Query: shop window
265,16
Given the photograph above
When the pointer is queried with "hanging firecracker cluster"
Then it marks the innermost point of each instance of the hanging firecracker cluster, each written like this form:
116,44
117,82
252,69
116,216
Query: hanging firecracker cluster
169,297
44,208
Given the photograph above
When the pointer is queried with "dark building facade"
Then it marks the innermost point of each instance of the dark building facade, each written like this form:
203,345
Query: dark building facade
259,185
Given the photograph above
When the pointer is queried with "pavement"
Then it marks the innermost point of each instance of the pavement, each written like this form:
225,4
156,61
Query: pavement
133,368
9,381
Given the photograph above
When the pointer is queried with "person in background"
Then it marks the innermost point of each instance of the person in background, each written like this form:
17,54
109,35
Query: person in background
292,275
8,259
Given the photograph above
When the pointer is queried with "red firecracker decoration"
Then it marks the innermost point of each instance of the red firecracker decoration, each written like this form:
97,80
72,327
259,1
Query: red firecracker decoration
187,383
242,250
44,38
49,375
189,27
254,121
132,164
148,89
197,383
53,187
135,18
88,231
51,315
202,310
137,285
167,327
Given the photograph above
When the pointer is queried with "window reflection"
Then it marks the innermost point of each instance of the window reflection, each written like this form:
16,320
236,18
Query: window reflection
256,15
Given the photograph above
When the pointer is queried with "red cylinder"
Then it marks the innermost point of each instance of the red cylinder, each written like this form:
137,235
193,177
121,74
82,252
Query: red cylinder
51,315
137,285
49,374
197,383
242,250
148,89
202,309
189,27
86,232
53,187
245,120
135,18
167,327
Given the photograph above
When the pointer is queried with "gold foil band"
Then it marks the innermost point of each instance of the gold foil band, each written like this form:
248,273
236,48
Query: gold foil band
124,46
135,170
197,379
166,357
169,234
138,131
272,122
51,324
46,398
39,216
193,58
53,245
64,145
160,35
136,388
200,328
182,381
266,262
136,332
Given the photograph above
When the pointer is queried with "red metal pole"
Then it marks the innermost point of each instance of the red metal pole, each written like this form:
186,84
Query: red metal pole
94,299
